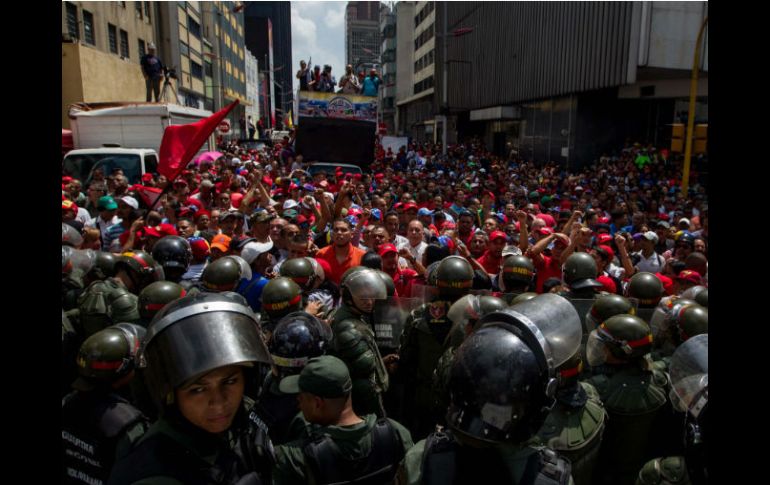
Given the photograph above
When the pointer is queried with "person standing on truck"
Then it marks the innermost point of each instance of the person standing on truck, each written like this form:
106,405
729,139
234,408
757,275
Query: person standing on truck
372,83
349,82
152,69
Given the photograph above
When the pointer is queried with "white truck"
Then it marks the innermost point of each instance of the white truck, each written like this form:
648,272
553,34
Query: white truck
128,125
125,135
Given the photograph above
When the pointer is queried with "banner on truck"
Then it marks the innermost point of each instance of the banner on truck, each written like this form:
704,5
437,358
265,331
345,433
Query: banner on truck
338,106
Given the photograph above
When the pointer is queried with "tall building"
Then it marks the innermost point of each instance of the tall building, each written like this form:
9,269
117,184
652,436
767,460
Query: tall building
252,86
387,99
224,53
268,37
102,43
586,77
416,61
362,35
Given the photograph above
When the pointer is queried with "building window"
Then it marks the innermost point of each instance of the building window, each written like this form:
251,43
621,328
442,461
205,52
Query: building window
194,27
124,44
147,10
112,33
88,27
72,21
184,49
209,70
196,70
142,50
138,6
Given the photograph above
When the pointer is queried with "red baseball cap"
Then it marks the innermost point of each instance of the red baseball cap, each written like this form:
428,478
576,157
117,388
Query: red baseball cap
147,177
379,176
150,231
545,231
410,205
603,239
689,275
167,230
387,248
66,180
497,235
69,205
608,250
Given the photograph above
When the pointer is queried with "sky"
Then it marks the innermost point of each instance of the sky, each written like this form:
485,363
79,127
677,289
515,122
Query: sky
318,32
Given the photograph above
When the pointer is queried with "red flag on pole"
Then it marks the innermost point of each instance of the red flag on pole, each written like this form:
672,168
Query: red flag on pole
149,195
181,142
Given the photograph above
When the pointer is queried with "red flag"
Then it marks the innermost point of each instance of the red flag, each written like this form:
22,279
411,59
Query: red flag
181,142
149,195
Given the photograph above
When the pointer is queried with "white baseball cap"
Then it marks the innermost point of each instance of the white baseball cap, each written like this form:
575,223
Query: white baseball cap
252,250
290,204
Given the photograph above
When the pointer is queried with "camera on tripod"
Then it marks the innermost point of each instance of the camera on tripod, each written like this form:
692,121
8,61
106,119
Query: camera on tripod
171,73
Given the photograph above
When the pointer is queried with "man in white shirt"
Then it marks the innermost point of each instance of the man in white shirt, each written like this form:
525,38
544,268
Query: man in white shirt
415,240
650,261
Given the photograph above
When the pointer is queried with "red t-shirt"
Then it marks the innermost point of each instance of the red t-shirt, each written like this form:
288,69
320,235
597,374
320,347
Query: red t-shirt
403,280
352,259
491,264
549,268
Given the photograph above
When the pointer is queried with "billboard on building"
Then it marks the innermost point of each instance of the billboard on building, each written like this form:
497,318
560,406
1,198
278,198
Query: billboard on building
337,106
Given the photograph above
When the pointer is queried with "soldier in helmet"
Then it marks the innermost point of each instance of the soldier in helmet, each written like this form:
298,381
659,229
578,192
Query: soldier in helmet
98,423
648,290
516,277
199,352
76,264
425,339
280,297
354,339
575,425
523,297
155,296
137,269
698,293
464,314
308,274
297,338
632,392
501,384
224,274
689,393
174,254
580,273
115,299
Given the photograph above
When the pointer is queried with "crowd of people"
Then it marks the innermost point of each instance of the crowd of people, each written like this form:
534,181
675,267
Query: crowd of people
351,83
431,319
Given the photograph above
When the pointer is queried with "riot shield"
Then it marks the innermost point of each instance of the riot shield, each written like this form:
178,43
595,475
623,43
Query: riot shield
388,320
425,293
643,313
583,306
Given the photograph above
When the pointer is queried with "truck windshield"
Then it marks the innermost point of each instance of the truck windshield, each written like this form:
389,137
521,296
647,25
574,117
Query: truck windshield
81,166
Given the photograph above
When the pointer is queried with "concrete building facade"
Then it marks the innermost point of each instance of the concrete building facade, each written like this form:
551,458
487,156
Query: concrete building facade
362,35
268,37
387,94
416,43
102,43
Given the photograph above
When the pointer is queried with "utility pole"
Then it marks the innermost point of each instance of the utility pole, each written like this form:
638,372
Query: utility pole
691,111
445,101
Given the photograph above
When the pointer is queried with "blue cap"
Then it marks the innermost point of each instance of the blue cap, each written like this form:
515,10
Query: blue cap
424,212
376,214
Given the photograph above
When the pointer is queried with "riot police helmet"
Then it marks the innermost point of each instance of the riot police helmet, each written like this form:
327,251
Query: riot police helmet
361,289
281,296
517,273
454,277
297,338
624,337
225,273
647,288
301,271
174,254
503,377
195,335
580,271
156,295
